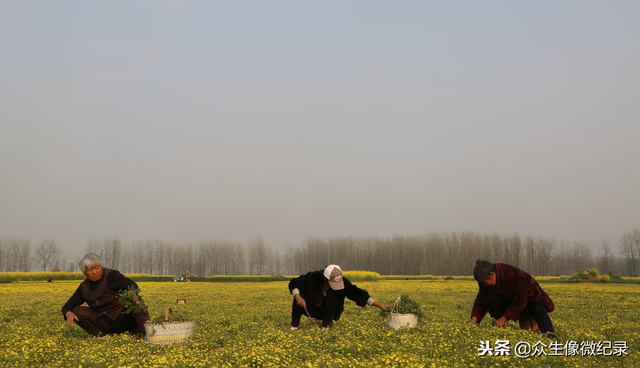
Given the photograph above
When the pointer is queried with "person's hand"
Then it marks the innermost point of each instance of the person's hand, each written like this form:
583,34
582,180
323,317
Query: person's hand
300,301
500,321
70,318
137,298
474,321
381,306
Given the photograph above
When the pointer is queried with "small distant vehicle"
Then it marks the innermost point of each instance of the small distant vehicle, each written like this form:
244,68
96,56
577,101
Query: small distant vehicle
182,278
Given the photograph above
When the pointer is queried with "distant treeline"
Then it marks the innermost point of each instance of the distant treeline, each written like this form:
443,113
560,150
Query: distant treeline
437,254
359,276
6,277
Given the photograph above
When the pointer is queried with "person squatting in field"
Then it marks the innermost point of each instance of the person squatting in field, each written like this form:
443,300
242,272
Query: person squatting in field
509,293
320,295
100,291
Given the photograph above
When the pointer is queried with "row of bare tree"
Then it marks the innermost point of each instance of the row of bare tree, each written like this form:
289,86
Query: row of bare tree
15,255
454,254
432,254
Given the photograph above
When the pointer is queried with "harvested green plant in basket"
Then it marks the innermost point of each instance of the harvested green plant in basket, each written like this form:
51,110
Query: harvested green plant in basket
177,315
131,301
404,305
175,326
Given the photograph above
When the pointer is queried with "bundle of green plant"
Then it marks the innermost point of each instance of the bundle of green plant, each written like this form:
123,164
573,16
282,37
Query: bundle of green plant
128,299
175,316
404,305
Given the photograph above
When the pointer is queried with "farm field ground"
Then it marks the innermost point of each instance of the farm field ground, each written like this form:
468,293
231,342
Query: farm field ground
245,324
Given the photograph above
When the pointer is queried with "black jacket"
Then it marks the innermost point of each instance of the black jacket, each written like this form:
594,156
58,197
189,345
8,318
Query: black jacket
114,280
310,287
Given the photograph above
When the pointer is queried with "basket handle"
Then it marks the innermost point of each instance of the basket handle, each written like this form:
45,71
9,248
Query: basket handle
166,313
396,306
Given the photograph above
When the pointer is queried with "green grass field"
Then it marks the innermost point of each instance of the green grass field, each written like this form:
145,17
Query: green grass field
245,324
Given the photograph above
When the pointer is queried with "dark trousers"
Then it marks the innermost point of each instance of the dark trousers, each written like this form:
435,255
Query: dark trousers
97,324
327,311
498,304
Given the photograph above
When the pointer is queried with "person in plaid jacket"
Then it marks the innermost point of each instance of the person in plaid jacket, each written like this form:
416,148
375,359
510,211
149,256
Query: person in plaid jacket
508,293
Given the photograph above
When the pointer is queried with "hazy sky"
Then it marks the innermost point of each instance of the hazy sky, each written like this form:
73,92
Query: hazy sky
192,120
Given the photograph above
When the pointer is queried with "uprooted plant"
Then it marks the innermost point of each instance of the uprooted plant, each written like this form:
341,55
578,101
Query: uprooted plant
404,305
131,301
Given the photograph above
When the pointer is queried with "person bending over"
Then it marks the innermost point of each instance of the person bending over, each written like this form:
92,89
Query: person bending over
508,293
320,295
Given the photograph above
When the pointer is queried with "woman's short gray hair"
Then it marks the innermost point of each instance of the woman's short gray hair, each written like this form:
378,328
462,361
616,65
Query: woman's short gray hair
89,260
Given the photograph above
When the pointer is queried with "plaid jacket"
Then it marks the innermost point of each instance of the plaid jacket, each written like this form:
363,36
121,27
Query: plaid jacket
516,286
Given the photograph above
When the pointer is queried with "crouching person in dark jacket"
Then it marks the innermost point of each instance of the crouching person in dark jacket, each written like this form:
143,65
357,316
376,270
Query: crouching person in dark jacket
100,291
320,295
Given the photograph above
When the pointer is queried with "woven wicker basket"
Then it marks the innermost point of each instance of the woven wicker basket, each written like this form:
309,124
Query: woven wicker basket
399,320
166,332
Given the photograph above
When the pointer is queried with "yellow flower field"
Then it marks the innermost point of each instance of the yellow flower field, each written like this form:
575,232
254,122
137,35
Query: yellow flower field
245,324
